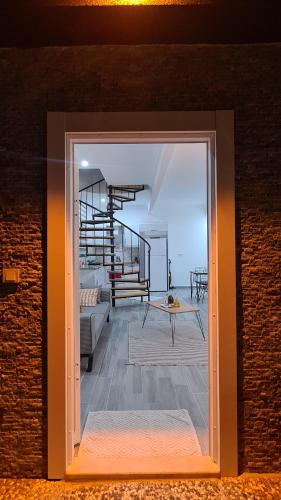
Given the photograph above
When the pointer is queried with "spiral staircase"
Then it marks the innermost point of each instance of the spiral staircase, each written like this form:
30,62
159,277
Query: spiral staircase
106,241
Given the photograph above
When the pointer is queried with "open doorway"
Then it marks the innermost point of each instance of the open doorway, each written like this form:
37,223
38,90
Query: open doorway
64,281
143,273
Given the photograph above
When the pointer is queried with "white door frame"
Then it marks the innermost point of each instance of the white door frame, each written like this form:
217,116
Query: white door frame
64,130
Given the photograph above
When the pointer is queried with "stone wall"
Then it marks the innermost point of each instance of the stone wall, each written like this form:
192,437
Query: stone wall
139,78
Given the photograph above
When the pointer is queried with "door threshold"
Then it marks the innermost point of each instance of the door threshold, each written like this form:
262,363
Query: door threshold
142,467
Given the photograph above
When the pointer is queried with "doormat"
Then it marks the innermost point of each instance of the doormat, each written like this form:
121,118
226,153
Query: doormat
146,433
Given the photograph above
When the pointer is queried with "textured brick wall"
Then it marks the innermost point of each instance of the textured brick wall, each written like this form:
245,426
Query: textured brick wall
144,78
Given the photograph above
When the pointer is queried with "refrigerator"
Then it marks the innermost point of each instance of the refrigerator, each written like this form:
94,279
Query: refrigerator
158,264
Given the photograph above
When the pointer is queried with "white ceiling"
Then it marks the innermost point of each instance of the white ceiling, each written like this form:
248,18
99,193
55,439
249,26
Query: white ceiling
122,163
175,174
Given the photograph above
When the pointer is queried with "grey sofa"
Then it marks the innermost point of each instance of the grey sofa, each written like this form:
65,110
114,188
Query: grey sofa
92,320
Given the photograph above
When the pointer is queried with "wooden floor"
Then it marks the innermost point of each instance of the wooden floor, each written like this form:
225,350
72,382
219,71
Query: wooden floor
115,385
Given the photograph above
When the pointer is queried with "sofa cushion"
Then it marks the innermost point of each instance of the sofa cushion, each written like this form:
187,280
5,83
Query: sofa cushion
88,296
105,295
92,320
102,308
88,338
99,322
99,294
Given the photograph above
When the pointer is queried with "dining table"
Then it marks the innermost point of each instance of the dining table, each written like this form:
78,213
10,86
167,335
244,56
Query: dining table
197,277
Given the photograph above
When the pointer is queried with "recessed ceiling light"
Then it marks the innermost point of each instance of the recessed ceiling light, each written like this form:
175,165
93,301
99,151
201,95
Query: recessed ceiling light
84,163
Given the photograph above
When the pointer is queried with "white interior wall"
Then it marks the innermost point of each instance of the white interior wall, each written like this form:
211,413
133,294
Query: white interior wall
187,245
136,216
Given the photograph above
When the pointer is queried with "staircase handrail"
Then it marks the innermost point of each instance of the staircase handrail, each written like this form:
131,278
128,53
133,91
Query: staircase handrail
119,222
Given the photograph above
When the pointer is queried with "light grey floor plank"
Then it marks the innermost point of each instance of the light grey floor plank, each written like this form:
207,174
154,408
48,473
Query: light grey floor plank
136,378
202,402
113,399
204,374
84,413
150,385
100,395
87,387
187,401
194,380
167,394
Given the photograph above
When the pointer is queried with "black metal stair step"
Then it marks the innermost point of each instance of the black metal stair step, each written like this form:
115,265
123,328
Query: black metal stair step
95,245
105,237
105,221
106,245
100,254
141,287
103,214
132,188
125,273
128,280
130,294
115,264
96,229
122,198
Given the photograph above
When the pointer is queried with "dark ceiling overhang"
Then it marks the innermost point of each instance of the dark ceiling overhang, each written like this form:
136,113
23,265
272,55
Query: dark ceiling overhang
216,22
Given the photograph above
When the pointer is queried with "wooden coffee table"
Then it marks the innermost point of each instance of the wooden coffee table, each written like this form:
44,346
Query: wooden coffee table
173,311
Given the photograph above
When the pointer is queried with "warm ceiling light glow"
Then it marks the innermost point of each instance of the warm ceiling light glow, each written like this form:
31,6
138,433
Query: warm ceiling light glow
96,3
84,163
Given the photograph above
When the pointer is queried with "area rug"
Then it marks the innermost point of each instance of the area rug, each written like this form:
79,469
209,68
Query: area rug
146,433
152,345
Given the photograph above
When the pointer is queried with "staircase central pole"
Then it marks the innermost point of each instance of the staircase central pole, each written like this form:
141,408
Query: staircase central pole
111,225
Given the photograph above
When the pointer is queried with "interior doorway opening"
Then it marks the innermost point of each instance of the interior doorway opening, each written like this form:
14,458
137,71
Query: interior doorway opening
64,379
143,242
